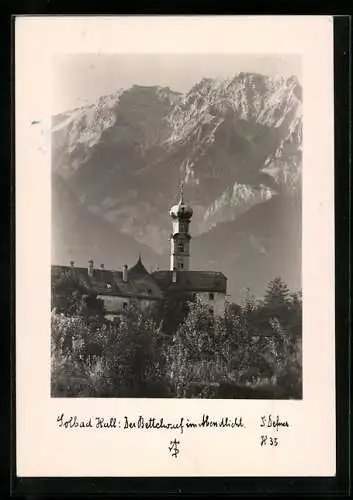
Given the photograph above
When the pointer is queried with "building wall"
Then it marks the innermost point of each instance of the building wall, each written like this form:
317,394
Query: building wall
114,305
117,304
180,252
180,226
217,303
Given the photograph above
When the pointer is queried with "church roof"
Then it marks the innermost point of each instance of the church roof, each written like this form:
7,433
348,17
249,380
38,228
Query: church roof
138,268
140,283
192,281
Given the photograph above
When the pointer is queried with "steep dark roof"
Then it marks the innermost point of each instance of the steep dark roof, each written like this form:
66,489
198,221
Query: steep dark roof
192,281
138,269
107,282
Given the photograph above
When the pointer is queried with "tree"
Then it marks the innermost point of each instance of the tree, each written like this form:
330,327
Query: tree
250,354
282,311
135,362
296,313
249,303
173,310
66,295
90,307
197,356
101,359
277,294
73,298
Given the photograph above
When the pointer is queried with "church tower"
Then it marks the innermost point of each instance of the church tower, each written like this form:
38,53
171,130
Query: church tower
180,238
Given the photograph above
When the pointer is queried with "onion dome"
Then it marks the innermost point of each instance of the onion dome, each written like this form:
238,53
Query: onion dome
182,210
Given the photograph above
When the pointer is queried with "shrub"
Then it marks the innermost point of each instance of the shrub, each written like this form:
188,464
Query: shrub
255,345
198,353
101,359
254,349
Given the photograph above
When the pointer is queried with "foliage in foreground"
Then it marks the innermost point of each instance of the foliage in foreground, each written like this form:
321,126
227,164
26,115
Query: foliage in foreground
255,347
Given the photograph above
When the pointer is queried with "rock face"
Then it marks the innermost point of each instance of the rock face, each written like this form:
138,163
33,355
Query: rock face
237,145
79,235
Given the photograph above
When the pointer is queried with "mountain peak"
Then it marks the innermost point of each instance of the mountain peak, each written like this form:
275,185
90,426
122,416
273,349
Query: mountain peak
235,142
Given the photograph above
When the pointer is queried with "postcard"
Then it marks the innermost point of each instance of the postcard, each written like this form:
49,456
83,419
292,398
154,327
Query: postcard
174,246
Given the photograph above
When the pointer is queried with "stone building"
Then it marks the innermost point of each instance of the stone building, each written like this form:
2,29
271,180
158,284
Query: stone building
117,289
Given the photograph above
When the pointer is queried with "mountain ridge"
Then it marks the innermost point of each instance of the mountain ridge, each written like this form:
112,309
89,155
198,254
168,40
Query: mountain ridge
235,143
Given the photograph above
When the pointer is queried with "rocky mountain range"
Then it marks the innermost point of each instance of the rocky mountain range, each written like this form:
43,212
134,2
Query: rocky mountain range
237,145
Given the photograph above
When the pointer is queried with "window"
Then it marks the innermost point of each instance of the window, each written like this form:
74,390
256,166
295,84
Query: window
211,296
124,305
181,247
181,265
149,291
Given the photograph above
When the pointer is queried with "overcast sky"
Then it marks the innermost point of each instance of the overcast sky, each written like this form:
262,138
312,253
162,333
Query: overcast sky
80,79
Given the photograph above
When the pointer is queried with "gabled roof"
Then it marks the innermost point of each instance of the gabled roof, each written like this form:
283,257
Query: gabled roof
192,281
139,284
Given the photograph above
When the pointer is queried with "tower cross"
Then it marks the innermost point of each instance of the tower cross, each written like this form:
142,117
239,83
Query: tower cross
182,192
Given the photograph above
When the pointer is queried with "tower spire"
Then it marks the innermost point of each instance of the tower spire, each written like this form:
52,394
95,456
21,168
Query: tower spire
182,192
181,214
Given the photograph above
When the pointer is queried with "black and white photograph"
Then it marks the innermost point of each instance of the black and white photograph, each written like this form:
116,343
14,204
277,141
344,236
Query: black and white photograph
175,253
176,226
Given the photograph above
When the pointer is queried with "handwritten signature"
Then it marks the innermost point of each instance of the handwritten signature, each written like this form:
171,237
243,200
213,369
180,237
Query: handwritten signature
173,448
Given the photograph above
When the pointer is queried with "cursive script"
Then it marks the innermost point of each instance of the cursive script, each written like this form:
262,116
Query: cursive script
149,423
74,422
274,422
